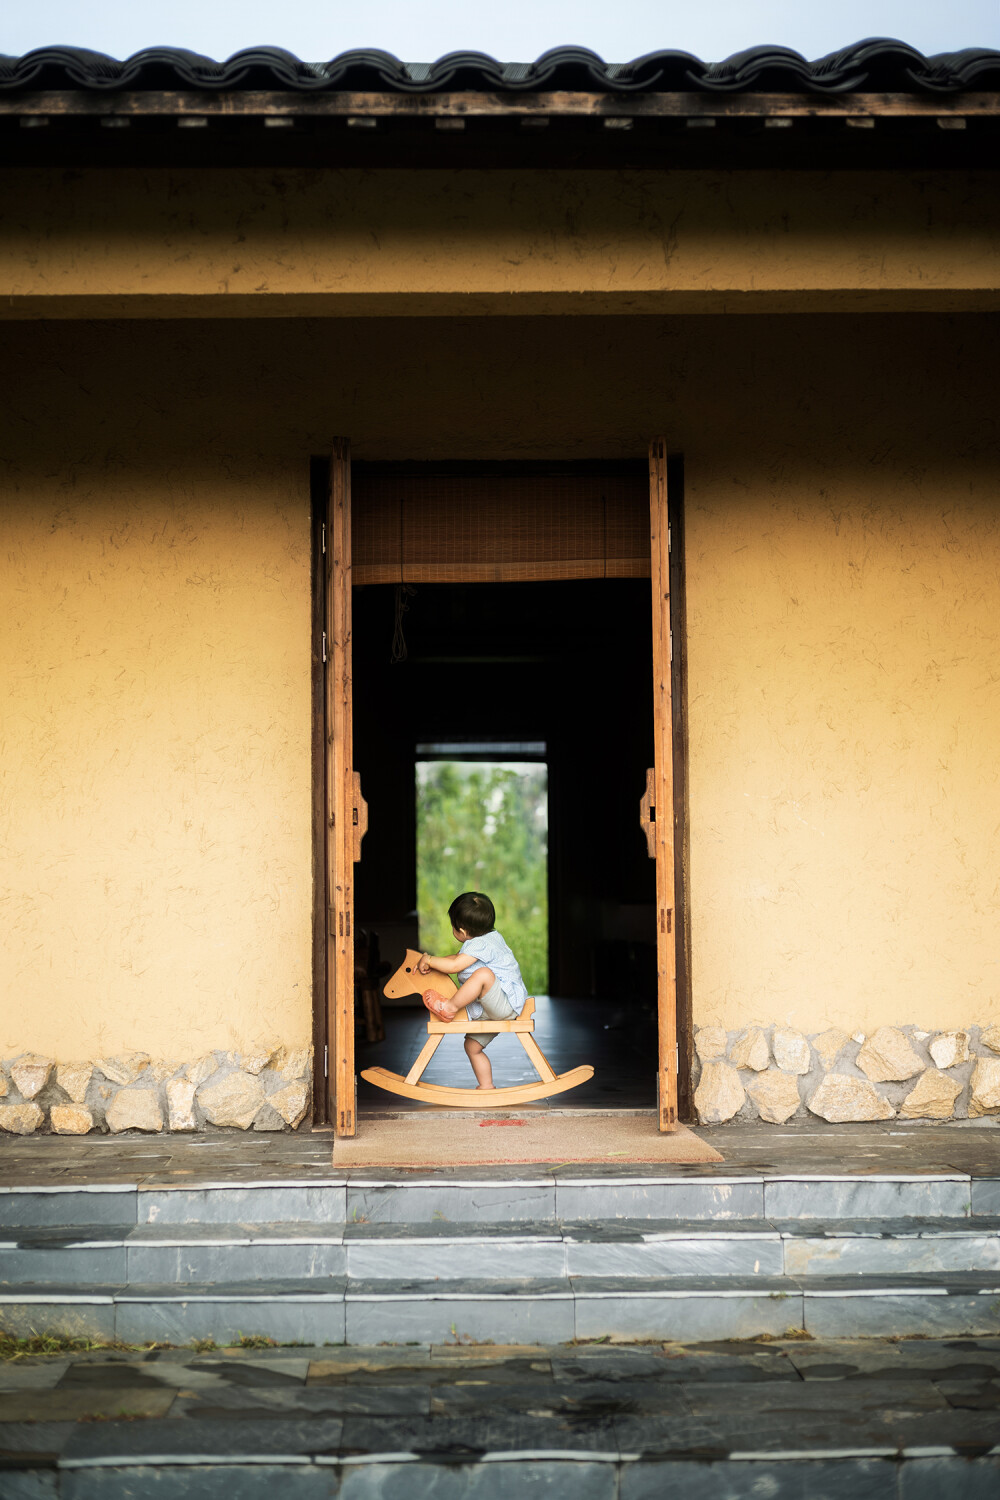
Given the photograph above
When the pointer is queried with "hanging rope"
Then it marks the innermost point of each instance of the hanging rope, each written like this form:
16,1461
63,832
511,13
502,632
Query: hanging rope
404,592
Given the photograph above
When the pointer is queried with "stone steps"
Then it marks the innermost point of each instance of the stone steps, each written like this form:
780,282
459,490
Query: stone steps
540,1258
335,1310
152,1253
491,1198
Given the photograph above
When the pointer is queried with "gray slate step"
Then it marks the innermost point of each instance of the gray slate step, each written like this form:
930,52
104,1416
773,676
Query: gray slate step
539,1197
150,1253
530,1310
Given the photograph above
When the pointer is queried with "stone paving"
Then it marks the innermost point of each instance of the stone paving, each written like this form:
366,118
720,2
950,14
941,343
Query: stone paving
230,1156
349,1421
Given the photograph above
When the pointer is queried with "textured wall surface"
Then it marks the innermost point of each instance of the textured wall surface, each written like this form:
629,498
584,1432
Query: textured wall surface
265,243
156,754
843,560
846,706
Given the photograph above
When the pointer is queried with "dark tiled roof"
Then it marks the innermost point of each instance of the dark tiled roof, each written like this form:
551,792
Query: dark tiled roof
878,65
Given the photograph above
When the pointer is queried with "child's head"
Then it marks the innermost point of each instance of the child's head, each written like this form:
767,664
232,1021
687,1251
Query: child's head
472,913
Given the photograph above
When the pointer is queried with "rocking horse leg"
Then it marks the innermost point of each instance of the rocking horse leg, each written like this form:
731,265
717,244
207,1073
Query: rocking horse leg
427,1051
536,1056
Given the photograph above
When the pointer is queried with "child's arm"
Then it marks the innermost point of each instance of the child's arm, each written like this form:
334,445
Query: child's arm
448,965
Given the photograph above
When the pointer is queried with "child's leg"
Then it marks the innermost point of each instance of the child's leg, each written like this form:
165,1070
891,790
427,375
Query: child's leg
480,1063
476,985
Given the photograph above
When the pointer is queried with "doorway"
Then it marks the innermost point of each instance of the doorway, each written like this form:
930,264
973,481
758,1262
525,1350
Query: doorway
553,676
527,595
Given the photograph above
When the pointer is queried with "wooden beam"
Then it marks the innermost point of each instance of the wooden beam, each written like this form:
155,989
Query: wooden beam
663,787
362,107
340,799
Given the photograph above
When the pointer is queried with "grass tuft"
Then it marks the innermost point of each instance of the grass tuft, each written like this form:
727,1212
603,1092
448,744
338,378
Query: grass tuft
12,1348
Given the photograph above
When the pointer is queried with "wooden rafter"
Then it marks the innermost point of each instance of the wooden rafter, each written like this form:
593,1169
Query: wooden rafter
261,103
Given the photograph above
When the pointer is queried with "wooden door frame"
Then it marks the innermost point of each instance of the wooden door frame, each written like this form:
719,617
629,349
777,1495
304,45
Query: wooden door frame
339,814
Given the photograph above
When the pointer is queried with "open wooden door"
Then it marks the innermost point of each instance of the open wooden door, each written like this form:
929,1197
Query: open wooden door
346,813
658,804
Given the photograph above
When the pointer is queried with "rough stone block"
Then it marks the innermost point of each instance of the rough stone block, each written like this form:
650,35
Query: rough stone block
888,1057
30,1074
267,1118
200,1070
74,1079
710,1042
134,1109
292,1062
123,1068
180,1105
70,1119
4,1085
950,1048
233,1100
20,1119
990,1037
775,1094
829,1045
790,1050
985,1098
750,1051
256,1062
291,1103
933,1098
839,1099
719,1094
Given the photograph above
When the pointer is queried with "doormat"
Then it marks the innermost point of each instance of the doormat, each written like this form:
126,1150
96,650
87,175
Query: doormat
444,1138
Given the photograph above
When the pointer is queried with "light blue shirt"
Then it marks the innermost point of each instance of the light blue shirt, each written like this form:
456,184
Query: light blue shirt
491,952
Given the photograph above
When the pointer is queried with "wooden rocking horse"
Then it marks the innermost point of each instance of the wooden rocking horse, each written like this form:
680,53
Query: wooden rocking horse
408,980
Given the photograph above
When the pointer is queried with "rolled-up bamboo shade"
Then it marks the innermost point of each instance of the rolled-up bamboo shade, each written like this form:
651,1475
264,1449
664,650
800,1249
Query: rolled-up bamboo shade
460,528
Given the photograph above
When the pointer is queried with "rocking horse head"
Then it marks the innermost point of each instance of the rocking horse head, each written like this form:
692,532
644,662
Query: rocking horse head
408,980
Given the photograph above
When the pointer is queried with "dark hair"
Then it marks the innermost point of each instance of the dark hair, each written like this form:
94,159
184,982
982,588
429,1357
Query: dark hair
472,912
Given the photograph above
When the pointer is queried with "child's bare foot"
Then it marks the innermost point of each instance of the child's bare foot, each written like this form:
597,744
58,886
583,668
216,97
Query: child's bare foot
438,1007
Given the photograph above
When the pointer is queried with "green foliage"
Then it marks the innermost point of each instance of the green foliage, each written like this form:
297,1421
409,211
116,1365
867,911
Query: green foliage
483,826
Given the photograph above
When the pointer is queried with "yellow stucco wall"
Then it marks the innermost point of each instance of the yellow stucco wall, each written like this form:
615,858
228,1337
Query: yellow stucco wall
843,559
845,714
160,243
156,748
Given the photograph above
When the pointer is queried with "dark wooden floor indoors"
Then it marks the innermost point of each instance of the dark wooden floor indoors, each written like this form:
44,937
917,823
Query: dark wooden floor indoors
618,1041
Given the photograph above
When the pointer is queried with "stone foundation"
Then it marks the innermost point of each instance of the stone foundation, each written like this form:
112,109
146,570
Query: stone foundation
259,1091
776,1074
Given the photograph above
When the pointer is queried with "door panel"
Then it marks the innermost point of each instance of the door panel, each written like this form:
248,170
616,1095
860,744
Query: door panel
659,800
342,800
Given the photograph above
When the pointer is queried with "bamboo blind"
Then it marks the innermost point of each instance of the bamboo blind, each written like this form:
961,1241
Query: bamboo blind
498,529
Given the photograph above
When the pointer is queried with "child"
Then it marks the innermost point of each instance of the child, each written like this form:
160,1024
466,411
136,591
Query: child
490,985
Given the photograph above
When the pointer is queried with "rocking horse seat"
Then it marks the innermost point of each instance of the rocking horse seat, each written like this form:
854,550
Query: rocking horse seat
408,980
524,1022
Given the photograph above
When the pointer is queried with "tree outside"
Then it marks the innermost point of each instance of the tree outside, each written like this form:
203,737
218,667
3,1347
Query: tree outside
483,826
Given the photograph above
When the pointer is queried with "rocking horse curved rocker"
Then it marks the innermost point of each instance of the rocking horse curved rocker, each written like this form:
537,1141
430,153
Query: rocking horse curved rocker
408,980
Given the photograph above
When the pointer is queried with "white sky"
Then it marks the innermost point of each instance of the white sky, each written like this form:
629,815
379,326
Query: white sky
517,30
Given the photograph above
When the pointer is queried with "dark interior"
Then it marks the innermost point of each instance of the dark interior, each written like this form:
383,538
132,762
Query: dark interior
564,663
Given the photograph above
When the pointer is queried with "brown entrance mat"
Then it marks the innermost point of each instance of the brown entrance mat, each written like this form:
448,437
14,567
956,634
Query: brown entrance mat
443,1138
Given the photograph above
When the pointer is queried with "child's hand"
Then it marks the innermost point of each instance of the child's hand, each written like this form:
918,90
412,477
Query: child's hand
423,966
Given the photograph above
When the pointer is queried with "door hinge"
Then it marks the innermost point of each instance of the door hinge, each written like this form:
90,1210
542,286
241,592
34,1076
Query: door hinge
324,646
669,543
326,1062
677,1059
323,537
671,647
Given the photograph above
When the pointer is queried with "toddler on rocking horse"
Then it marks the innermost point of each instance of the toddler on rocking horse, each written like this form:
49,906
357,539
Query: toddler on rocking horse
490,985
